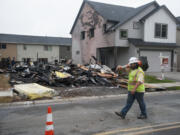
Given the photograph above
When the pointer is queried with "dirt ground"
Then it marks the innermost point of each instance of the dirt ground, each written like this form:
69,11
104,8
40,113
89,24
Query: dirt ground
89,91
4,82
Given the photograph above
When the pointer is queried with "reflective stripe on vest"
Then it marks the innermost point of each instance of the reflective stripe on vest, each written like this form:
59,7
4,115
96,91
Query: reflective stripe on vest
133,80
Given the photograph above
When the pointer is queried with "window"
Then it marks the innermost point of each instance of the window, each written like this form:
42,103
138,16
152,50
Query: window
104,28
77,52
43,60
164,31
47,48
91,32
3,46
123,34
136,25
82,35
26,60
24,47
68,48
161,30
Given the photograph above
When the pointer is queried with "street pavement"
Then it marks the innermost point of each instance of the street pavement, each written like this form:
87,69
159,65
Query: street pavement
95,116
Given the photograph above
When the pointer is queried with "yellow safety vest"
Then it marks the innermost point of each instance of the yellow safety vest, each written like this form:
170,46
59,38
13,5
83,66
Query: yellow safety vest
133,79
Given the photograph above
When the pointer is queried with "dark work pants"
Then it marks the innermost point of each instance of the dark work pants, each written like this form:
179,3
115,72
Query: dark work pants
139,96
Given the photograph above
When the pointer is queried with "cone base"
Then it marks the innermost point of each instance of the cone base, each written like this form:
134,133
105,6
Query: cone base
49,132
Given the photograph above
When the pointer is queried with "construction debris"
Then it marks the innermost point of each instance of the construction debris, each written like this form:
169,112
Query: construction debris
28,78
66,74
63,75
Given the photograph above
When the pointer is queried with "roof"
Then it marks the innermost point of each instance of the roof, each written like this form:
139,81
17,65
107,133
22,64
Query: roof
135,12
157,9
38,40
140,42
110,12
117,13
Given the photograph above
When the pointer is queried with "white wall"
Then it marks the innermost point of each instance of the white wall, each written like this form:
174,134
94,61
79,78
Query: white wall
160,17
125,53
32,50
132,33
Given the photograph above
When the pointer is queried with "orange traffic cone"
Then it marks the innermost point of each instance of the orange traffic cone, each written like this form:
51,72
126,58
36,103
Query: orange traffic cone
49,123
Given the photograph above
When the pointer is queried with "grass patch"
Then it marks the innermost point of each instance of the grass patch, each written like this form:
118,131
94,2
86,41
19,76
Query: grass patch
173,88
153,79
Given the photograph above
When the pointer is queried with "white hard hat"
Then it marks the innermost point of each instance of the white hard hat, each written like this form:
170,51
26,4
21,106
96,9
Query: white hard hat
133,60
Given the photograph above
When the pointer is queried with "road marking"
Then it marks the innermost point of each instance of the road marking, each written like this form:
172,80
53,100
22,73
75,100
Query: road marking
154,130
135,129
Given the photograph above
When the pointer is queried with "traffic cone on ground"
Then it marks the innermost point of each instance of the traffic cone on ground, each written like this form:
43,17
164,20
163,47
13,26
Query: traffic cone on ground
49,123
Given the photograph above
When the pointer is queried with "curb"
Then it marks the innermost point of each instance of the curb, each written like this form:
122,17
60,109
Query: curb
58,100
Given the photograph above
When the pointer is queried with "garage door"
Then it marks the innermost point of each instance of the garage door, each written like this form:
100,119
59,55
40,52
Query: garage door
154,60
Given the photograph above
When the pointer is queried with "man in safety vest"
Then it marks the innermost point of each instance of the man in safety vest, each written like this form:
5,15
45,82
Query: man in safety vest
136,89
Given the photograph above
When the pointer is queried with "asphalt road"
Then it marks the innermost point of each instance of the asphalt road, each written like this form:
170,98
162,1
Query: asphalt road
95,117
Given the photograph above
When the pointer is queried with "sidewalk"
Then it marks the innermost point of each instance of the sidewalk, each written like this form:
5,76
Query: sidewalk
7,93
164,85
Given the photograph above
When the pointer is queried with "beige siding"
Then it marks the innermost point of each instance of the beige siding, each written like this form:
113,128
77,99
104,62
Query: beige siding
34,51
10,51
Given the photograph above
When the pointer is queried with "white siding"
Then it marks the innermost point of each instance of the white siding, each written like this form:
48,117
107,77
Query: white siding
132,33
125,53
160,17
33,50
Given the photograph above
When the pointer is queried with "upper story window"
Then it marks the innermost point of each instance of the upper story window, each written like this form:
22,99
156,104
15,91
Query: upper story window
24,47
136,25
91,32
161,30
123,34
68,48
104,28
82,35
3,46
47,48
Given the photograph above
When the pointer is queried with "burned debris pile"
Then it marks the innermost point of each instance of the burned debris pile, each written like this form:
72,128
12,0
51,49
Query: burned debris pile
63,75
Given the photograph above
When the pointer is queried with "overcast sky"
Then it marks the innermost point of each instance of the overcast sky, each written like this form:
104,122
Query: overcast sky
54,17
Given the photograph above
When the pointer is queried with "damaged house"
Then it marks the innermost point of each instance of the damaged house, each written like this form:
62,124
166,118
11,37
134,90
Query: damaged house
114,33
33,48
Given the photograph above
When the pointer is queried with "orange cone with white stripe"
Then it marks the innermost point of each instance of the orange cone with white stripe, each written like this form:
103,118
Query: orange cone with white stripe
49,123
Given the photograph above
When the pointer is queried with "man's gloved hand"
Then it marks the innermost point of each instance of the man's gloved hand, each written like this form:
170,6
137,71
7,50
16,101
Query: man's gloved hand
119,68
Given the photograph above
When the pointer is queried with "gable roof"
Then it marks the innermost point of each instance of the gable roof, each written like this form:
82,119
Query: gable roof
36,40
117,13
107,11
135,12
156,10
110,12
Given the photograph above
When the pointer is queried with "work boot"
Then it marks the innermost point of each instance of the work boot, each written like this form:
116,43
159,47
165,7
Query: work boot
120,114
142,117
